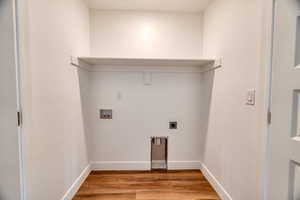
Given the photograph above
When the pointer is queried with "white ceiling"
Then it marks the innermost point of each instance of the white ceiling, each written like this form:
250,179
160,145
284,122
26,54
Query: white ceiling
150,5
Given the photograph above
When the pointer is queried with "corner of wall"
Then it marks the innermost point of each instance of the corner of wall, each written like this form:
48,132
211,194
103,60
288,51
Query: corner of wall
71,192
215,183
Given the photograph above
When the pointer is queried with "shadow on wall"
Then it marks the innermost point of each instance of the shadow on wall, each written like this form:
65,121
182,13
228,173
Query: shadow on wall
296,183
208,85
83,77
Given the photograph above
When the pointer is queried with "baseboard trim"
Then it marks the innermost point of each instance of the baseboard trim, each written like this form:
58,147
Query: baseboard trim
120,165
215,183
141,165
77,183
181,165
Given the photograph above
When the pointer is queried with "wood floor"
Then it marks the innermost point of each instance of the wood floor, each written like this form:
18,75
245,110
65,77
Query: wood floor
173,185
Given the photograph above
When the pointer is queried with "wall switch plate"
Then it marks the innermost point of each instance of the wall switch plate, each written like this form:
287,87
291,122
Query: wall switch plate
250,97
105,114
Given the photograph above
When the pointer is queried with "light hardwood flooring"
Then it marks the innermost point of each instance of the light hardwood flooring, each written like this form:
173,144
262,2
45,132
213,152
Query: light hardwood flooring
171,185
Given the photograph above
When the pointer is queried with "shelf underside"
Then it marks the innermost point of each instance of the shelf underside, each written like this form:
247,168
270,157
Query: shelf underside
96,61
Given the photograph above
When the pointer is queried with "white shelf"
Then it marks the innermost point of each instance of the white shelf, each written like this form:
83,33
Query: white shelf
98,61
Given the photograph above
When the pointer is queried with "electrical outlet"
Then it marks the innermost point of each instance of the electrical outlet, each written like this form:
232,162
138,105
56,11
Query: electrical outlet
172,125
105,114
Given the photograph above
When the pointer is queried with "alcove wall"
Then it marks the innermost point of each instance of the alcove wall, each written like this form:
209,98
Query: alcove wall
143,110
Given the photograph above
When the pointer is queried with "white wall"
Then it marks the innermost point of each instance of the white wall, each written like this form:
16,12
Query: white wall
141,111
144,111
56,144
232,30
145,34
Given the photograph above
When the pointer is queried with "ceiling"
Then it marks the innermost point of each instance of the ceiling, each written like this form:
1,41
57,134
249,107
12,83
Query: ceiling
150,5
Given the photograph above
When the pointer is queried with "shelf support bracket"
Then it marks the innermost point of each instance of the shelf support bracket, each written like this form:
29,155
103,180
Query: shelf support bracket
218,63
74,61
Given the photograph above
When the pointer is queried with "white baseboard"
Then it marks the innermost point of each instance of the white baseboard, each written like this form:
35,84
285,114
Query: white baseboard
181,165
77,183
120,165
142,165
215,183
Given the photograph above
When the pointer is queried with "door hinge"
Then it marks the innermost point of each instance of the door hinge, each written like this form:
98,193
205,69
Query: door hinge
19,117
269,117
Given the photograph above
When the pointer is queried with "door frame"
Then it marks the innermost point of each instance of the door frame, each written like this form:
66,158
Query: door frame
264,116
21,144
267,163
268,63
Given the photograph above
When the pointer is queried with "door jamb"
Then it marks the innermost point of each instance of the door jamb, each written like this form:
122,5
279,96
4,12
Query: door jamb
267,63
16,12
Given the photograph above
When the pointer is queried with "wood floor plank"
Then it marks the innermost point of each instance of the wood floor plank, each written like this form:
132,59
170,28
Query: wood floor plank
146,185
